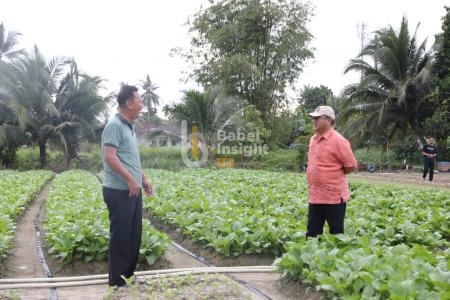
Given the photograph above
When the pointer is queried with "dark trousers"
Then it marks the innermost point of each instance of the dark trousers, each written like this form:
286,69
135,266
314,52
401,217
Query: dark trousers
334,214
125,218
428,165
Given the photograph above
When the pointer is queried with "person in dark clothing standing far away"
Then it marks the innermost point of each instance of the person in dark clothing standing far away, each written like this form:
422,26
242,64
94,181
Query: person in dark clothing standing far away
122,185
330,158
429,152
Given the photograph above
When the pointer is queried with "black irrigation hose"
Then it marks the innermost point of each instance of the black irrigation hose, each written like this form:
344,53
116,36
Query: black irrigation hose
40,252
209,264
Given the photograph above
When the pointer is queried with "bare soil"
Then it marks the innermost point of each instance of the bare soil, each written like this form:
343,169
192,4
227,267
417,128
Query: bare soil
402,178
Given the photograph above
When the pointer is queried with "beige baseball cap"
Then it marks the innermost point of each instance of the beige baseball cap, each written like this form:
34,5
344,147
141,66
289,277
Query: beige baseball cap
323,111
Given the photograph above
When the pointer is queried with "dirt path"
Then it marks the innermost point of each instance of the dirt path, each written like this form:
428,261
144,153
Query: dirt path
401,178
24,261
177,259
267,283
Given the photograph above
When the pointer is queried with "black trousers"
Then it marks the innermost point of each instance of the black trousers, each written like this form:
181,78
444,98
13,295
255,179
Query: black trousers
428,165
125,217
334,214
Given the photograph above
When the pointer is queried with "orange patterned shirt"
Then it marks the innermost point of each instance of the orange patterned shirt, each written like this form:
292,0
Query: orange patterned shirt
328,155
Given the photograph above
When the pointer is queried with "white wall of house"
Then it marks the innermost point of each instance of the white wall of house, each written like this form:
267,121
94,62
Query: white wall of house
165,141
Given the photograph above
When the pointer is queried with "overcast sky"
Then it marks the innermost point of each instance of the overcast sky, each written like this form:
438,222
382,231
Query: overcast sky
125,40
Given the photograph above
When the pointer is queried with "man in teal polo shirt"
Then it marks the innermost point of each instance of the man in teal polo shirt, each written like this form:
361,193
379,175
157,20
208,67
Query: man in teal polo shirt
122,185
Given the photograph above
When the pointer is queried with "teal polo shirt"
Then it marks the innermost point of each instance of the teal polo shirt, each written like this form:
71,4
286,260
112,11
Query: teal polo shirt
119,133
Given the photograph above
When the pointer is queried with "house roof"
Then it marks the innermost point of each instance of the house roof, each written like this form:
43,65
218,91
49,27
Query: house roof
144,129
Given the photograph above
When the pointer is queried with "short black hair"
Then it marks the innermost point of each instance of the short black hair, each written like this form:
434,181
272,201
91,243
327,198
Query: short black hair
126,93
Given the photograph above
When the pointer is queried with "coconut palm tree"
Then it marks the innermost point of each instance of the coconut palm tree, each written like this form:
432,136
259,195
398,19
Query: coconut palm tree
391,100
195,108
78,102
11,135
7,43
210,110
28,86
149,97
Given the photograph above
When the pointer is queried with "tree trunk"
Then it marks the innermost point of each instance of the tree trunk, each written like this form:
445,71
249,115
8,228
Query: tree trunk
42,154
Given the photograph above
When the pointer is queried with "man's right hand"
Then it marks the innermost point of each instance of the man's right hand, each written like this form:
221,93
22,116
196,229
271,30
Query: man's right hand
133,187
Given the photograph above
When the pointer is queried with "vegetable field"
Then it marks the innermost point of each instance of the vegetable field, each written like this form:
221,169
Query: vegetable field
77,225
396,244
16,190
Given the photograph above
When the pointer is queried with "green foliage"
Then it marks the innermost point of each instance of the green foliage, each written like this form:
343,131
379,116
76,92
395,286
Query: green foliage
28,159
442,64
32,79
79,105
90,159
393,98
16,190
77,224
277,160
8,154
167,158
232,211
220,207
313,96
395,242
8,43
304,132
40,103
360,269
393,158
11,135
253,48
211,111
6,237
196,108
394,247
252,121
438,125
281,132
336,104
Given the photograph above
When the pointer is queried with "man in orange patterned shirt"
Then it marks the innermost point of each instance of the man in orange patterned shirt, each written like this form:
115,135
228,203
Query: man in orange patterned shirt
330,158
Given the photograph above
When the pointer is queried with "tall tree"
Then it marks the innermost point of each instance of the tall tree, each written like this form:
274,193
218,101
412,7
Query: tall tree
438,125
149,97
254,48
313,96
196,108
11,135
80,105
210,110
8,41
29,84
393,97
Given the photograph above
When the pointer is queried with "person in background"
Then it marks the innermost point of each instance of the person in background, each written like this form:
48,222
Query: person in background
330,158
429,152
